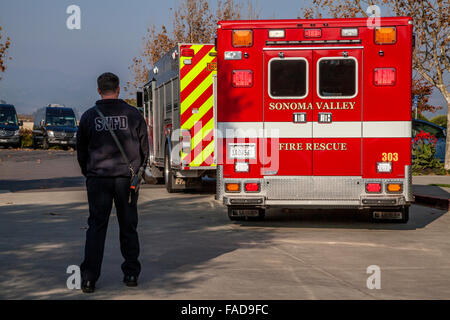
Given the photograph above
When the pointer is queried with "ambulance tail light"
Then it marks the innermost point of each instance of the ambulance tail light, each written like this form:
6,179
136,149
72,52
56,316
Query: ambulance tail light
373,187
242,78
385,35
232,187
187,52
313,33
394,187
384,76
242,38
251,187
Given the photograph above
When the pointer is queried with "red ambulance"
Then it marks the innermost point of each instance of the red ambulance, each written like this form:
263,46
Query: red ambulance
314,114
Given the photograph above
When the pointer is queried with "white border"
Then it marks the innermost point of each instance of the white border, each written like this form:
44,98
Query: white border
251,144
306,74
336,129
356,77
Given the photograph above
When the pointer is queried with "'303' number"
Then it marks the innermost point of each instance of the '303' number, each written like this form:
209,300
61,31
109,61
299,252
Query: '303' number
389,156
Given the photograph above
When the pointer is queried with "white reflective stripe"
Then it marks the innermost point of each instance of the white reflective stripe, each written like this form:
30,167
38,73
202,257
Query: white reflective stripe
338,129
288,129
387,129
240,130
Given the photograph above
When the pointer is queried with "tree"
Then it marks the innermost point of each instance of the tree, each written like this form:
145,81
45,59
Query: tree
4,46
440,120
431,25
423,90
154,45
193,22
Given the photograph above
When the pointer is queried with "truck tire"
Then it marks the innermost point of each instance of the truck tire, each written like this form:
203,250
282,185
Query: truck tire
168,173
405,215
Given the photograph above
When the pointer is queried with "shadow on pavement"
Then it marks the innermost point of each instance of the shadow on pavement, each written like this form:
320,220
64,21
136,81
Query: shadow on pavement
38,184
343,219
178,238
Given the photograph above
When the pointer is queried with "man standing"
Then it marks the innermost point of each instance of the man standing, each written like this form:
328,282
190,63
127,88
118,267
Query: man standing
108,177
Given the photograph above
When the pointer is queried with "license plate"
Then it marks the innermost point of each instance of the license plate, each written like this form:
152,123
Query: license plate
3,140
390,215
63,142
242,150
245,212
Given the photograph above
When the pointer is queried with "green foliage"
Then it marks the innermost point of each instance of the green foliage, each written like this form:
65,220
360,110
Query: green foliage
424,150
419,116
440,120
27,138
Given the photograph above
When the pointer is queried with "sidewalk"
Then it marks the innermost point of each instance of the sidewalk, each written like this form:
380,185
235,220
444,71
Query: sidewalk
425,193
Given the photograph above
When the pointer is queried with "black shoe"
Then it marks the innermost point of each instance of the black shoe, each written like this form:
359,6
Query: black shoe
130,281
88,286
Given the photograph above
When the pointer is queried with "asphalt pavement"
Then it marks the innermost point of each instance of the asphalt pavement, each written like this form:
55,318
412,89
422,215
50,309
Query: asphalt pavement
190,250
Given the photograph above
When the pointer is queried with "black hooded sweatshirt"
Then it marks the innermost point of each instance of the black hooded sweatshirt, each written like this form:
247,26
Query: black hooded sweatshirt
97,152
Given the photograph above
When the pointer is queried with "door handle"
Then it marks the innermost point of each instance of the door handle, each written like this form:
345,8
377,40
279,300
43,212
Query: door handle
325,117
299,117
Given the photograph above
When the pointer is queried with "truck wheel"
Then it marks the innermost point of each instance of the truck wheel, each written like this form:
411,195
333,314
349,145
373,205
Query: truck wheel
149,180
168,173
405,215
45,144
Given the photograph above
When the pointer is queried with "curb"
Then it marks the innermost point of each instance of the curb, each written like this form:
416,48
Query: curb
440,203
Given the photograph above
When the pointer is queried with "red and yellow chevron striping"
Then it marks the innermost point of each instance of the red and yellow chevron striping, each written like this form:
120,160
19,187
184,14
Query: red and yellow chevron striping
196,96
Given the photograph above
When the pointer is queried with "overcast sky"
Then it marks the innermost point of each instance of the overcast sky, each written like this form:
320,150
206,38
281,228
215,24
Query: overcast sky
52,64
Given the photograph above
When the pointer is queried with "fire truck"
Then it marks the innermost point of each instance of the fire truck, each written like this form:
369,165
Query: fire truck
177,104
314,114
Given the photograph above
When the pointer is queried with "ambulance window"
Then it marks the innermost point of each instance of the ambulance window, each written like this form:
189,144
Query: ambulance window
288,78
337,78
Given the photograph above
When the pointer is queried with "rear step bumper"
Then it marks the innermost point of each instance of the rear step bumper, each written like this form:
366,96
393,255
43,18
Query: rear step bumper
316,191
360,204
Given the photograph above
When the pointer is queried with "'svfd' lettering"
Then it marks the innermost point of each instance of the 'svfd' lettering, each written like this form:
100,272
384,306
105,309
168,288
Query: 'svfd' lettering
114,122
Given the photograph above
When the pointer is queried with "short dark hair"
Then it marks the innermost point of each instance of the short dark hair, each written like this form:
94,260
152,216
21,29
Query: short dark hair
108,82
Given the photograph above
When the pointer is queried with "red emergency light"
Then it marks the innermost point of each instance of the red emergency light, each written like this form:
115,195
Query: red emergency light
384,76
373,187
187,52
313,33
242,78
252,187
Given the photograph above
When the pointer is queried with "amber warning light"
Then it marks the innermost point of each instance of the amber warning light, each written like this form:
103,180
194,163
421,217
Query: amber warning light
242,38
385,35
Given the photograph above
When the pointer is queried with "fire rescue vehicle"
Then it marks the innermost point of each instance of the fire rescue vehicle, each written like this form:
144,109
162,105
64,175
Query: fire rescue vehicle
314,114
178,107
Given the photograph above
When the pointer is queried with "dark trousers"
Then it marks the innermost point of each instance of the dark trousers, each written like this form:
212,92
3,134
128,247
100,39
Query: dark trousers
102,191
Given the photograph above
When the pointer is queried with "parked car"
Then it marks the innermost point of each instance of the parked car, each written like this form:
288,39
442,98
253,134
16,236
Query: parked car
9,126
434,129
54,125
